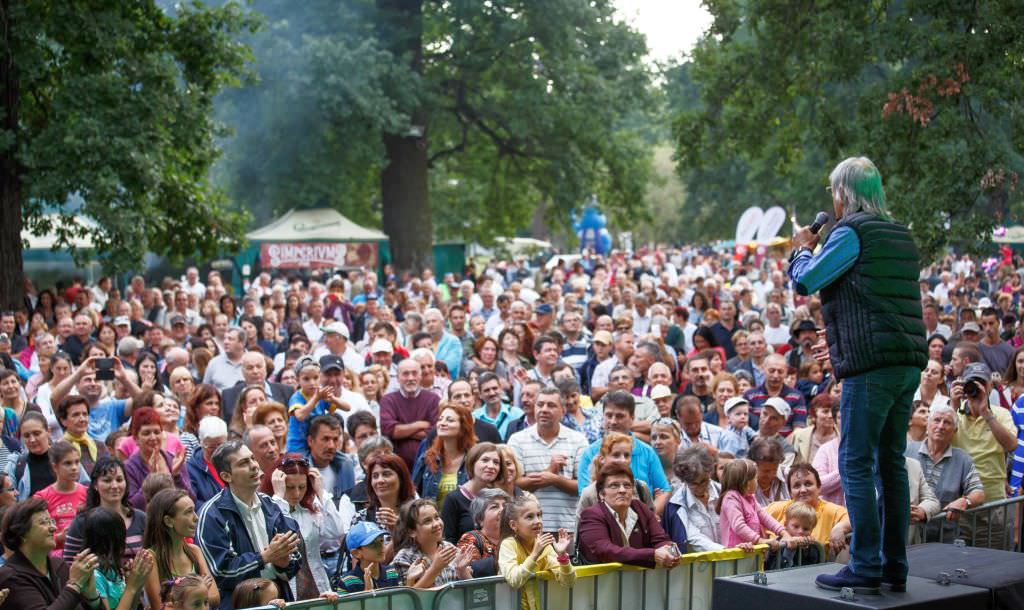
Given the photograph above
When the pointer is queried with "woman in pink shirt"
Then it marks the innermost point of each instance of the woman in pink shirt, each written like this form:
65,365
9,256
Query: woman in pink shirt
741,521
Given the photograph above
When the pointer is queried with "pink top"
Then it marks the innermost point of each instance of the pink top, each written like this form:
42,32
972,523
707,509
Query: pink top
742,520
826,462
62,507
172,444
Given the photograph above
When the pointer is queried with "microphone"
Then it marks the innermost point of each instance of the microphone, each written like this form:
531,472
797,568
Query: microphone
819,221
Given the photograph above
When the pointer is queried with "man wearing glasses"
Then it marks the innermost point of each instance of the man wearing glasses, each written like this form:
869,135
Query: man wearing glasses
867,272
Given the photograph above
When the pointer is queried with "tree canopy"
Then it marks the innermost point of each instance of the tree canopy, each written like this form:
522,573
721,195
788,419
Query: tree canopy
109,102
512,104
777,93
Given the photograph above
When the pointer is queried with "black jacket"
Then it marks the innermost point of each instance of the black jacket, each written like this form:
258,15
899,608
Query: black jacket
279,392
873,311
30,590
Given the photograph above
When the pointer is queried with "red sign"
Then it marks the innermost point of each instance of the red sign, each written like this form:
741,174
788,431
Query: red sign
312,255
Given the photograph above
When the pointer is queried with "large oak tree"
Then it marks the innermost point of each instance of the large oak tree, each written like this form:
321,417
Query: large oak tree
109,102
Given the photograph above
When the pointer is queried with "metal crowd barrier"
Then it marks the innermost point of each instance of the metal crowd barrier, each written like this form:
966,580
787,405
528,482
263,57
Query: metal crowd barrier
996,525
685,587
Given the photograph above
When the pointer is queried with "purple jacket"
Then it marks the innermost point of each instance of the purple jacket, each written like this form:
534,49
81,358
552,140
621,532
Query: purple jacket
601,537
136,471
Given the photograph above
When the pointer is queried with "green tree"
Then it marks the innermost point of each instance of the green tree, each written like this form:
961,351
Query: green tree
440,119
930,90
110,101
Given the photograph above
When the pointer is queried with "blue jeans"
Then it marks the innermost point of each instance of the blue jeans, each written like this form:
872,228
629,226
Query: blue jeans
875,411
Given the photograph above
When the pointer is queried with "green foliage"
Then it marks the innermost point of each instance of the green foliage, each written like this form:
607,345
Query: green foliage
522,102
929,89
116,98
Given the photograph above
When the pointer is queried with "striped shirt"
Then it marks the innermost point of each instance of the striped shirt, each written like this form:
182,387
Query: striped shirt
574,353
1017,466
757,397
535,454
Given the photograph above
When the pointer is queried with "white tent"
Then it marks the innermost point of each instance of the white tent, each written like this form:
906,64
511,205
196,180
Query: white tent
315,224
47,241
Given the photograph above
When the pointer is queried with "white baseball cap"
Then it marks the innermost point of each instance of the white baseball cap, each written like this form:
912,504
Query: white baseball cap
660,391
338,328
781,406
381,345
734,402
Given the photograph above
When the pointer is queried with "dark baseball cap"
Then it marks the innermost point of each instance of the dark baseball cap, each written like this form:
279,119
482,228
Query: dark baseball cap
331,362
977,370
543,309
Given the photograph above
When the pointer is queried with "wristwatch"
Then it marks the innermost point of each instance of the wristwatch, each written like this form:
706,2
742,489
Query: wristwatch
968,501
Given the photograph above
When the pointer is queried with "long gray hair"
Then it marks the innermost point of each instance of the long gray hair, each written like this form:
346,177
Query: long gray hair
858,184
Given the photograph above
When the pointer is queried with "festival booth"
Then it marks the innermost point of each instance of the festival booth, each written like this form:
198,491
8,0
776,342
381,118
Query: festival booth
317,238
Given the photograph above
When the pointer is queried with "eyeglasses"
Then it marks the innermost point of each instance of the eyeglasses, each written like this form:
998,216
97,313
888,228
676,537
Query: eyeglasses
46,521
619,485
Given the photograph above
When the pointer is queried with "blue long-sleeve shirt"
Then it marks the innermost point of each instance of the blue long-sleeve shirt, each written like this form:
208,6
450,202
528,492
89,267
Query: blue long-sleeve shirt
811,273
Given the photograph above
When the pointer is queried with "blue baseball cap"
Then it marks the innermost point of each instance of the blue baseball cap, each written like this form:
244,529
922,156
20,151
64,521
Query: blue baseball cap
362,534
543,309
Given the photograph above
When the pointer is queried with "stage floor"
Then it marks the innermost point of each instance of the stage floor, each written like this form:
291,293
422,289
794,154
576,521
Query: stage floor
795,590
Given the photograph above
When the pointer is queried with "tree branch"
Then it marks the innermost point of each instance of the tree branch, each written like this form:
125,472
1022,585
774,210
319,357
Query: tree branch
457,148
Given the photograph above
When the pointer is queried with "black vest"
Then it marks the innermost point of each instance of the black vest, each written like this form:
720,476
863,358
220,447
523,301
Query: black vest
873,311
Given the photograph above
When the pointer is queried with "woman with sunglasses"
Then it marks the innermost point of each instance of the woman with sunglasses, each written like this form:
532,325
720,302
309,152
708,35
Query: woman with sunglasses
299,490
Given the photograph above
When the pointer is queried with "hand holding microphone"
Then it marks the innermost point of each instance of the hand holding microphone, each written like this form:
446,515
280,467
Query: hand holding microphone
807,237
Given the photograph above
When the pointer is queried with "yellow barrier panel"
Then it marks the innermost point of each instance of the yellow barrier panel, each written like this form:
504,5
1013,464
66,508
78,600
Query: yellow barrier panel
611,586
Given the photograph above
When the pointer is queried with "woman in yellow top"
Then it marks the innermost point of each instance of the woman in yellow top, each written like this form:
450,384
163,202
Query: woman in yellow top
526,550
805,486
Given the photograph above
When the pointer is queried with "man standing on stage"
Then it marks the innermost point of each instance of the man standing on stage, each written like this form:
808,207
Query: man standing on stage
867,273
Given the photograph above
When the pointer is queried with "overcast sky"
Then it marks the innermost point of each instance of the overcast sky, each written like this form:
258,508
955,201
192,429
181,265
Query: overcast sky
672,27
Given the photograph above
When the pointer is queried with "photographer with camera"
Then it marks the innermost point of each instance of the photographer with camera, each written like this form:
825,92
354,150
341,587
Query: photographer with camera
105,414
987,433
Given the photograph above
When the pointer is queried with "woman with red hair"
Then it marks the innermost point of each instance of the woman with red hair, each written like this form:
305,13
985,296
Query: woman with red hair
442,468
148,432
299,490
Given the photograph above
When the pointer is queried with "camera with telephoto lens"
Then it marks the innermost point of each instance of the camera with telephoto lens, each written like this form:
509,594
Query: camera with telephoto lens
972,389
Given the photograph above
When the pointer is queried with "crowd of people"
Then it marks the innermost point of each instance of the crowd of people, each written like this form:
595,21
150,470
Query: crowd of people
174,444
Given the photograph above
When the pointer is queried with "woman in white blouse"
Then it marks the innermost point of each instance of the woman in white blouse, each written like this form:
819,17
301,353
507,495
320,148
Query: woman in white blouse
932,391
694,502
298,489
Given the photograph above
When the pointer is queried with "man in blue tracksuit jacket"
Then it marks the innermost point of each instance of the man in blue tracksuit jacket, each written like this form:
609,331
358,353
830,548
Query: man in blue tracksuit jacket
241,532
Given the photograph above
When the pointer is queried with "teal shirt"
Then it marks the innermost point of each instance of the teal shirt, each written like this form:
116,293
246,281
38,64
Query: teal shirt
812,273
109,586
506,416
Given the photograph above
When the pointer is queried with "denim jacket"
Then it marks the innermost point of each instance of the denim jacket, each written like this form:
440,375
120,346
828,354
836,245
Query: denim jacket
427,482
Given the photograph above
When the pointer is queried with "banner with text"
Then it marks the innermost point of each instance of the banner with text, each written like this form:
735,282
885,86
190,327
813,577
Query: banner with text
311,255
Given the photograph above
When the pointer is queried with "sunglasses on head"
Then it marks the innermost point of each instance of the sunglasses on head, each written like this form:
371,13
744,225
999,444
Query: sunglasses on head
295,462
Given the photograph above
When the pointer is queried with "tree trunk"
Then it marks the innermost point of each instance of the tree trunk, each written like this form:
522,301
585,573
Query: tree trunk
12,273
405,197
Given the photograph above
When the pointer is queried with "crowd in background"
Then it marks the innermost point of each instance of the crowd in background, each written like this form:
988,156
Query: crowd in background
176,443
